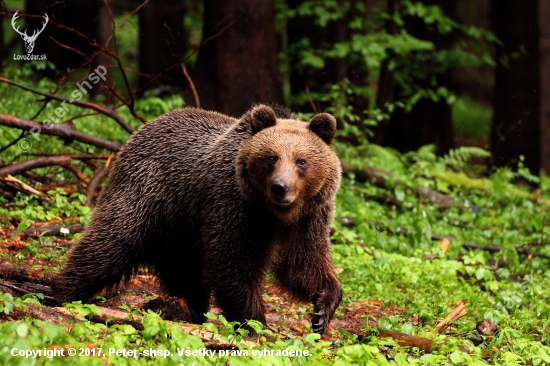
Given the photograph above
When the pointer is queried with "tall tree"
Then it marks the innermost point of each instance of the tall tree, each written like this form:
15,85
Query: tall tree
521,119
305,29
162,43
429,121
237,63
2,45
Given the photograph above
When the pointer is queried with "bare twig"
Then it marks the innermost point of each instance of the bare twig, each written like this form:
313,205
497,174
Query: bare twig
314,107
94,184
77,173
209,37
197,100
4,148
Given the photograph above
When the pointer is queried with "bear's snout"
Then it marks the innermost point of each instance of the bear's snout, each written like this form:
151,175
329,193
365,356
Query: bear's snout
279,192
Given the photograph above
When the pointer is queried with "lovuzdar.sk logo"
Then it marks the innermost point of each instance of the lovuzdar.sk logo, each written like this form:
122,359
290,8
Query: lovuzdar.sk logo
29,40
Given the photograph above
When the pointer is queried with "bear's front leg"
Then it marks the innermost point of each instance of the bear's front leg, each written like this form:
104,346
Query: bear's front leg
305,270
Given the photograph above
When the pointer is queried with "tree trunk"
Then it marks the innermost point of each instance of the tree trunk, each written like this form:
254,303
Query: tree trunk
2,41
162,43
103,31
428,122
544,82
238,61
301,28
517,129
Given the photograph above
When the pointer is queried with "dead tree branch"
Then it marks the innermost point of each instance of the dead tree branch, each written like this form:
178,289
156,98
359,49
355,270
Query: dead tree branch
9,271
457,313
34,163
61,130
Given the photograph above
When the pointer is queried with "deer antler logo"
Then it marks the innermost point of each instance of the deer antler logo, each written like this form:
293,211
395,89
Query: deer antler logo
29,40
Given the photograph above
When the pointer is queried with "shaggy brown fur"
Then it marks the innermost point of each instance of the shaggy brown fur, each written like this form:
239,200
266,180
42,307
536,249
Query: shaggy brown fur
211,203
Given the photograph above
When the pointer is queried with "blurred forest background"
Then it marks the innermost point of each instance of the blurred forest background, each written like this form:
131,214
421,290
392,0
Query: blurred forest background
398,73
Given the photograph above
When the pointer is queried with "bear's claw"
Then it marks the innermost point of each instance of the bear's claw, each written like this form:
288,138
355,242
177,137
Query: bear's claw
319,321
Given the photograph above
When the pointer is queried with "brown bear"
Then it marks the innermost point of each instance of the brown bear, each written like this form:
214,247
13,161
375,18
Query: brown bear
210,203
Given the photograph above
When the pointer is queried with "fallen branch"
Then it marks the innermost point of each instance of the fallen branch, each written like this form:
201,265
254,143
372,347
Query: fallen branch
452,317
425,345
25,187
18,168
22,288
60,130
405,340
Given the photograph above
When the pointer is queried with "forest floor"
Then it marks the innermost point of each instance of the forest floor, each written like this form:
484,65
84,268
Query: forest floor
283,314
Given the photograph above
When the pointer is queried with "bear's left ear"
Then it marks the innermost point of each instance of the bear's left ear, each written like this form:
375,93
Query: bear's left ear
262,117
324,126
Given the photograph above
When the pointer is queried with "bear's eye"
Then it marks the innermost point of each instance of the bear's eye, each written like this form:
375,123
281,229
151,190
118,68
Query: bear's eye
271,160
301,163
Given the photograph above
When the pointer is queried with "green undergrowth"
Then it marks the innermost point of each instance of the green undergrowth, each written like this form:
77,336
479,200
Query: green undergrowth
409,273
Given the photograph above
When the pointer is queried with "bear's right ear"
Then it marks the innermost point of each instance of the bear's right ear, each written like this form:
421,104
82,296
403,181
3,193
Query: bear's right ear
262,117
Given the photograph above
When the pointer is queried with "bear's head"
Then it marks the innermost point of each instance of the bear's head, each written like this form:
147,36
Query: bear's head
288,165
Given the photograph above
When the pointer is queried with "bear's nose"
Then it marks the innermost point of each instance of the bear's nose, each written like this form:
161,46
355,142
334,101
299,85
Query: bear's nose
279,188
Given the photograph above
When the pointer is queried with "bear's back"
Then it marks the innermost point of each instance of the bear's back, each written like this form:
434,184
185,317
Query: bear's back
168,158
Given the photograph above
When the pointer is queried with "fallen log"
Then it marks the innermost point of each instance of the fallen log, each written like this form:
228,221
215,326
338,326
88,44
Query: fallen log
10,272
384,179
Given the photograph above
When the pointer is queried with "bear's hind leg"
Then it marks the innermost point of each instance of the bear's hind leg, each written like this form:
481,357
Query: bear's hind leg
241,298
183,278
93,266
